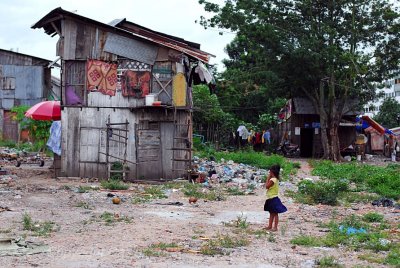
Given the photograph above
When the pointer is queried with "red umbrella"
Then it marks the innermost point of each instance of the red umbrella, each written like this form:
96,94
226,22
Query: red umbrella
45,111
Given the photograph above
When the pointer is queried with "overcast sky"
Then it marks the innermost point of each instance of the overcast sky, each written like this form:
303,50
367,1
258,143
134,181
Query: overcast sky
174,17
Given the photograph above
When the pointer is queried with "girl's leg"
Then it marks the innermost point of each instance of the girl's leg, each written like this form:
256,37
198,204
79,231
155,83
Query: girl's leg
276,217
271,219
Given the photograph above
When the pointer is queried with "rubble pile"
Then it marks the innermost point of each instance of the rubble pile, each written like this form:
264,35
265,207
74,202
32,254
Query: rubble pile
232,174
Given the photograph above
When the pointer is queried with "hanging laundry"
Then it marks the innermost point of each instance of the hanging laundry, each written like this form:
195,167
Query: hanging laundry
179,90
135,83
54,142
201,75
71,97
102,77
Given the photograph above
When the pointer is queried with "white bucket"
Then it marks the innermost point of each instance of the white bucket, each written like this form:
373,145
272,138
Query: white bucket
150,98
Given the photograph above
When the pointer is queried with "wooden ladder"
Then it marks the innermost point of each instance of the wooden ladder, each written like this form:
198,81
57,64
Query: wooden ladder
182,143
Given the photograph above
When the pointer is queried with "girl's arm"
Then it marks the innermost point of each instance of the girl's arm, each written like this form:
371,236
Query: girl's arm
270,183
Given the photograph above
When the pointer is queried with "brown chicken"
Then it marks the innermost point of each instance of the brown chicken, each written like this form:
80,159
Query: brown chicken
192,200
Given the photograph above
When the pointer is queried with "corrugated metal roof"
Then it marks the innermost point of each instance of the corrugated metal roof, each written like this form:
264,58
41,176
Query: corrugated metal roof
54,17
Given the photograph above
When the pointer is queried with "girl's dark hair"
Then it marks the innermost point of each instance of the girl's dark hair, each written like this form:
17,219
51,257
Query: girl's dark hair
275,169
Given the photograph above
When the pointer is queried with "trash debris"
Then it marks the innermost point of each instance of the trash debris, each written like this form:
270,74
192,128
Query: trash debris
352,230
4,209
385,202
170,203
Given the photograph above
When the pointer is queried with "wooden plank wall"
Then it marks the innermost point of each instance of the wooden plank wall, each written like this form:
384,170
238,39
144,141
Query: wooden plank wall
85,137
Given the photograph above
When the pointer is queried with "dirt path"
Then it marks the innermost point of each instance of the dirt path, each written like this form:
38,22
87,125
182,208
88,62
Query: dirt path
84,239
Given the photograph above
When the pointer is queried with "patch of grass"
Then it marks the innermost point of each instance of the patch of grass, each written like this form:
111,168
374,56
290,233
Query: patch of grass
164,246
240,222
381,180
235,191
271,238
114,185
155,250
299,197
217,245
373,217
110,218
85,189
356,197
393,258
151,252
196,190
85,205
372,258
38,228
27,221
306,240
328,261
148,194
66,187
258,233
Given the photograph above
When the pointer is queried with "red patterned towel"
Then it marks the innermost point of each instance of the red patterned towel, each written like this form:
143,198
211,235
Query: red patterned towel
101,76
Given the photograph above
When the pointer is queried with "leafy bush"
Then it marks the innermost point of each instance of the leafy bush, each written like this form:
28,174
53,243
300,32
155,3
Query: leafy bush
324,192
373,217
114,185
39,130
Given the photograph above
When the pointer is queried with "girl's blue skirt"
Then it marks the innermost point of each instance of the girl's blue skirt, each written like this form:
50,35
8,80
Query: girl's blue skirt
274,205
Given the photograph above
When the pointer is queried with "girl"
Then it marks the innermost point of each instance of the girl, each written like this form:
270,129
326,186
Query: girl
273,204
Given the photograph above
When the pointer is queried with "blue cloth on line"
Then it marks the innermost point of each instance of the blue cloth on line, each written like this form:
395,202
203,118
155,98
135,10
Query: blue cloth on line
54,142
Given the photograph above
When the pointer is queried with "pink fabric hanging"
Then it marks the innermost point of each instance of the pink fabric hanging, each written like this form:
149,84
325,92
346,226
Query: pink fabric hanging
102,76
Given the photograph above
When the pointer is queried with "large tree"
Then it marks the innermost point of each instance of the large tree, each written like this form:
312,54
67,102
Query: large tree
330,51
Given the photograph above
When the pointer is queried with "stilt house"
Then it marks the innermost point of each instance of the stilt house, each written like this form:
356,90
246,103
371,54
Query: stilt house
126,98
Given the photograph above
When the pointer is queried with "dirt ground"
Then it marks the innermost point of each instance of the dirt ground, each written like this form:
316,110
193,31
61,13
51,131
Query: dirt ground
83,239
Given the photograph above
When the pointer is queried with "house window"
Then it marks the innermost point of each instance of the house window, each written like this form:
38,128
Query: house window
397,81
397,93
8,83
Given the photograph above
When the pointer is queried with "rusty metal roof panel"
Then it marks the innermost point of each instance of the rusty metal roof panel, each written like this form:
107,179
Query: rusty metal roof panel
54,17
131,48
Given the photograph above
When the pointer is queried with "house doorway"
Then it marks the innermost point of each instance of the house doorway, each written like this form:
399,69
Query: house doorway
306,142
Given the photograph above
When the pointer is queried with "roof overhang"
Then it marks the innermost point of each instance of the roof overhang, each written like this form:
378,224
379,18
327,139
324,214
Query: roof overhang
51,23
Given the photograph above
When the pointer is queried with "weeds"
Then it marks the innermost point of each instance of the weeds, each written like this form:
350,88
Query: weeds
38,228
216,246
82,204
110,218
306,240
373,217
85,189
324,192
240,222
328,261
150,193
235,191
197,191
155,250
151,252
114,185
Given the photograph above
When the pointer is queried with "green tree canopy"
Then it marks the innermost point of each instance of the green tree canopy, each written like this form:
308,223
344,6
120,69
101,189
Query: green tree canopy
389,113
329,51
